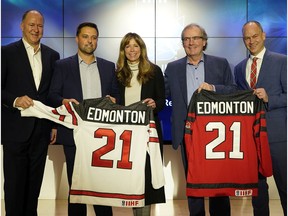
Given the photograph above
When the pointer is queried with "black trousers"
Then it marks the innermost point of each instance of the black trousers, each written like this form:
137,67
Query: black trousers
75,209
24,164
218,206
279,162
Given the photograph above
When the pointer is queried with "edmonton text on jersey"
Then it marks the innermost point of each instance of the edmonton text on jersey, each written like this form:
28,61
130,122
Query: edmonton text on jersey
225,107
116,116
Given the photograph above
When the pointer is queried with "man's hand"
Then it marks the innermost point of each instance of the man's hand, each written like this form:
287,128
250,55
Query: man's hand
64,101
53,136
261,94
206,86
23,102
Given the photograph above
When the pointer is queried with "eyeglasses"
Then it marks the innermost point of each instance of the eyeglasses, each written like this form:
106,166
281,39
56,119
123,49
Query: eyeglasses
195,38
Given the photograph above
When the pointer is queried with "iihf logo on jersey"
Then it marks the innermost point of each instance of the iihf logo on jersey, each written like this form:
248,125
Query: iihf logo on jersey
131,203
188,125
243,192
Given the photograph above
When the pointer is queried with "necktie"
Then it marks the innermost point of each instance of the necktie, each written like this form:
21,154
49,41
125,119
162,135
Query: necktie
253,73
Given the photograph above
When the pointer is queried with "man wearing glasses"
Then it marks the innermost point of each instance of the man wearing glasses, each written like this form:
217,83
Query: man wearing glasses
196,70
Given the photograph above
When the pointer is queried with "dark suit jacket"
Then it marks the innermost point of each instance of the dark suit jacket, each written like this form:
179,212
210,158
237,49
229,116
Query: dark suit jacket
66,83
273,78
17,80
217,72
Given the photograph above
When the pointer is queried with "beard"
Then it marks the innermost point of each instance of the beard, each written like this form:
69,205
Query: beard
89,50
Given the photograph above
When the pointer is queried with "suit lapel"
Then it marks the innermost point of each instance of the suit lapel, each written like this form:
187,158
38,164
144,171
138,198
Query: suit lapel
243,74
101,70
44,60
264,67
27,65
75,72
181,75
207,69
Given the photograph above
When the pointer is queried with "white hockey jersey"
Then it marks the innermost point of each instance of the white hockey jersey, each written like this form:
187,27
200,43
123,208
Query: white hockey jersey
111,141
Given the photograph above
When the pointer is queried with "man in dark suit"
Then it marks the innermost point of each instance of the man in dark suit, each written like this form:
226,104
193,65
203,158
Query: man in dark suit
182,77
26,72
271,87
76,78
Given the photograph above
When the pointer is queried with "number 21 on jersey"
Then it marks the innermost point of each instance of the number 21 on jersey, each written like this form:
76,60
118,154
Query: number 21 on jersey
221,128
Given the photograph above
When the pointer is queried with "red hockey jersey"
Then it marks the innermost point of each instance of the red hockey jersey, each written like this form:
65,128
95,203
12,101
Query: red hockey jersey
226,143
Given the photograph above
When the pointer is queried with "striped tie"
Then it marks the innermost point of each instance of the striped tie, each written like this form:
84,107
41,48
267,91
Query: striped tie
253,73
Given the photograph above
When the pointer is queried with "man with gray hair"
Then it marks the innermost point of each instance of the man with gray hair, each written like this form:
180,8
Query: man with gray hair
196,70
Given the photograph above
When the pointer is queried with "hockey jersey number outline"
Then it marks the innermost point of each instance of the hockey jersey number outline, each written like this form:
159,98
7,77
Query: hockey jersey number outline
124,163
220,126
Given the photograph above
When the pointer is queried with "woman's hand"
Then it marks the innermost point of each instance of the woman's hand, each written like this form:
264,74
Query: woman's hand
150,102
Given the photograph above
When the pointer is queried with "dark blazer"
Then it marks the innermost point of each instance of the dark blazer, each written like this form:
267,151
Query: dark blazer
66,83
273,78
17,80
217,72
154,89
